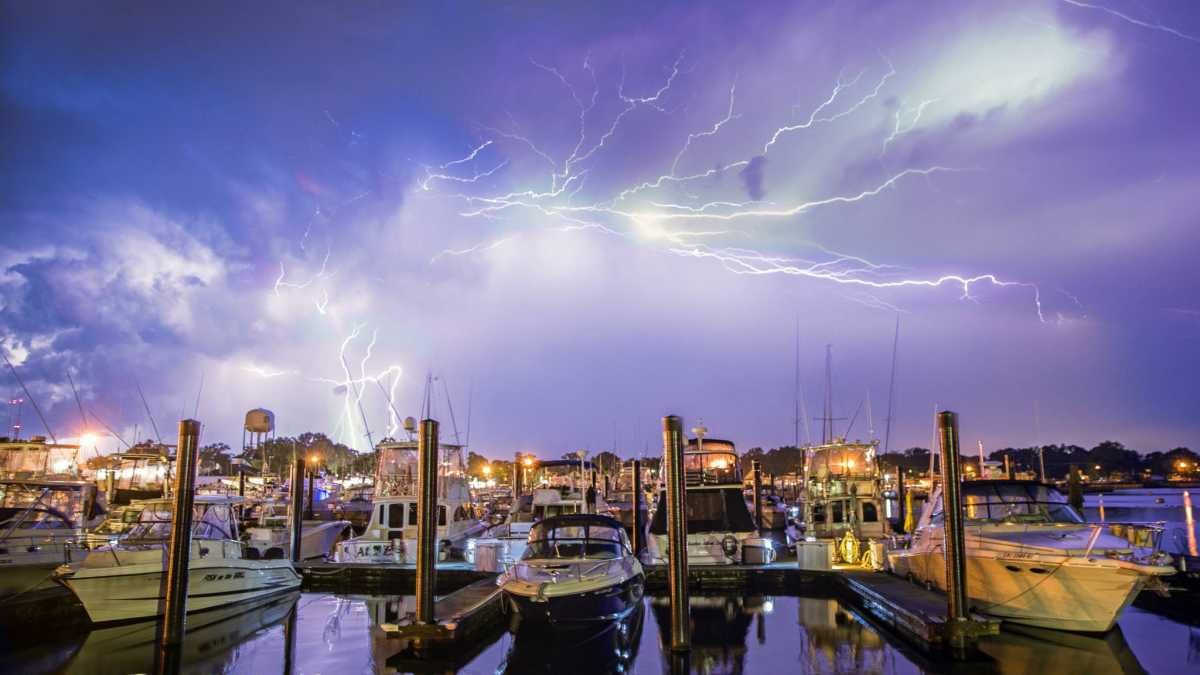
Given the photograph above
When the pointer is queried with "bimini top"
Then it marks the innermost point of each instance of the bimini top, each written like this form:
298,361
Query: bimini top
555,463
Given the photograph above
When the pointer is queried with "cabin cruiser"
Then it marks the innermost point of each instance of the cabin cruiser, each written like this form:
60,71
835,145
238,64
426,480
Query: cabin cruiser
559,491
125,581
391,533
270,537
577,569
43,524
844,491
1031,559
720,528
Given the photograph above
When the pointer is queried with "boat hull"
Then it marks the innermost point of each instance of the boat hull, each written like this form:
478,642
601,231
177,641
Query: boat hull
1074,596
578,610
132,592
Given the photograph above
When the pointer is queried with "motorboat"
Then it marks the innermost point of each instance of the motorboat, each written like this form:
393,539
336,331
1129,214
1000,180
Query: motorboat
610,648
270,537
559,489
844,491
124,582
391,532
43,524
720,527
1031,558
577,570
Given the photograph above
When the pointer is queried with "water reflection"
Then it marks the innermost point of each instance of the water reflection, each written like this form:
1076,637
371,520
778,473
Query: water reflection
1022,649
719,628
213,642
833,640
610,647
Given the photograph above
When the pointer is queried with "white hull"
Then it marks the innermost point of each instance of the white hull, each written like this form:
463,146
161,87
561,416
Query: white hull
317,539
129,592
702,549
1079,595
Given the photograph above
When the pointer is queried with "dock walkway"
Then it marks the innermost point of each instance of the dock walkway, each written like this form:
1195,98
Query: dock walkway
909,609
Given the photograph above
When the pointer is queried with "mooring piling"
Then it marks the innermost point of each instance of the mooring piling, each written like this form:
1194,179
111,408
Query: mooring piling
518,467
758,509
639,532
427,468
677,571
954,547
312,481
296,510
180,545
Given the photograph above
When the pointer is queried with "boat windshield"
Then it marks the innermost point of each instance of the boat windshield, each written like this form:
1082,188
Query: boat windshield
1013,503
711,468
209,521
574,541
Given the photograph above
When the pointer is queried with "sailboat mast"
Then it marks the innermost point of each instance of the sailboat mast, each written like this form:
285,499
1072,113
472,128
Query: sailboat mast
887,433
827,420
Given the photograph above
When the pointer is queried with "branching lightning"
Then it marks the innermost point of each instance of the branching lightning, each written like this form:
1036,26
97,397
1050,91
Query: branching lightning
1137,22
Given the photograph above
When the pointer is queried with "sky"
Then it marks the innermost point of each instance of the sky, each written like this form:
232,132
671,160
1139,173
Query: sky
549,225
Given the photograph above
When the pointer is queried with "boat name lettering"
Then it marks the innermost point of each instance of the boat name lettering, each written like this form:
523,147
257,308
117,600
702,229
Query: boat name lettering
222,577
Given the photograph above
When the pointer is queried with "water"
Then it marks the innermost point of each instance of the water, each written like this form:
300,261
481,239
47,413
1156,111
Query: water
731,634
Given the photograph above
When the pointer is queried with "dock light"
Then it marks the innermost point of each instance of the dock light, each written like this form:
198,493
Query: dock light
527,462
1097,467
487,470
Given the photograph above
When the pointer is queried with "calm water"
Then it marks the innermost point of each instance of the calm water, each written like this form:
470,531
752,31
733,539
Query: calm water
755,634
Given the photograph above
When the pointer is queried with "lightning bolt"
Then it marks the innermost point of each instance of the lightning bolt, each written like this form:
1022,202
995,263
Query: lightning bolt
1137,22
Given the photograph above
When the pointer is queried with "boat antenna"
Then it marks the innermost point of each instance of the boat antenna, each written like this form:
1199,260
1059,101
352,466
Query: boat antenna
470,398
1037,434
887,434
199,390
804,415
827,421
78,402
110,429
29,396
933,447
854,418
450,407
142,395
388,397
796,401
870,416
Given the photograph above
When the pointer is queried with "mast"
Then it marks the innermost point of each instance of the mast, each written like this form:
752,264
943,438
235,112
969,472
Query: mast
827,420
796,400
887,434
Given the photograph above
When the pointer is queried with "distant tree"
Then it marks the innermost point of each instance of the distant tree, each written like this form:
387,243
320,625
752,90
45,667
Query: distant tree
214,460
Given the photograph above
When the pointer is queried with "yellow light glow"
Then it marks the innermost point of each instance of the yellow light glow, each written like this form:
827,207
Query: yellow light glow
849,464
718,464
528,461
487,469
87,440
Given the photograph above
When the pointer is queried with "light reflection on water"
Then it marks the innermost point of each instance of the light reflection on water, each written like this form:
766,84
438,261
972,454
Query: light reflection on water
730,634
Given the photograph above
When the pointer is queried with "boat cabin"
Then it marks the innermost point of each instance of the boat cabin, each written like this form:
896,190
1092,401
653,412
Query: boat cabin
711,461
844,492
213,518
48,505
37,458
1006,501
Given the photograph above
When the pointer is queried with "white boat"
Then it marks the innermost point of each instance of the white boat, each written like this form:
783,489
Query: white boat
43,524
577,570
271,537
844,491
720,528
391,533
1031,559
123,582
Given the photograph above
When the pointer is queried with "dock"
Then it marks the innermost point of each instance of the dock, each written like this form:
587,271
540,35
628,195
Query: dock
917,614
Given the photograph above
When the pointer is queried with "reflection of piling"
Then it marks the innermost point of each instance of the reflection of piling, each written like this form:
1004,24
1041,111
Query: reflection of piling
427,467
517,469
639,532
312,481
180,546
677,570
758,510
955,551
296,511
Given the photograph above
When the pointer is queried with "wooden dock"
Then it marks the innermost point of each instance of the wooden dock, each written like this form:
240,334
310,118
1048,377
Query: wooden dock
470,610
370,579
910,610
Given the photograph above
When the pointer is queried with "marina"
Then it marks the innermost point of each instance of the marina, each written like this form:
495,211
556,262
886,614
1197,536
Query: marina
499,338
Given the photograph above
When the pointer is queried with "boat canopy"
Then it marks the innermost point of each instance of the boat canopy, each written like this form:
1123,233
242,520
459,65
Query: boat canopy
212,518
577,536
708,510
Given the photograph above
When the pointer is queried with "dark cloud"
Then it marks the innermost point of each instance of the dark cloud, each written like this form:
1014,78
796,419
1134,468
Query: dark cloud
752,178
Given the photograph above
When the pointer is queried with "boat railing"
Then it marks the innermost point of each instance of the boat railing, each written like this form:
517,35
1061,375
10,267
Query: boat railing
1144,534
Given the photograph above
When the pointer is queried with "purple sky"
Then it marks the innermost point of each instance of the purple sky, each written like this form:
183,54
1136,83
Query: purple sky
591,218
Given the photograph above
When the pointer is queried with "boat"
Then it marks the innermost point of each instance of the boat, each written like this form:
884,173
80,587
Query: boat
578,570
610,648
720,528
270,537
844,491
43,524
559,489
1031,558
391,533
124,582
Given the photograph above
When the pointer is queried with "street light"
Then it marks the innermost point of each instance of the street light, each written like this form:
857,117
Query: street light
487,471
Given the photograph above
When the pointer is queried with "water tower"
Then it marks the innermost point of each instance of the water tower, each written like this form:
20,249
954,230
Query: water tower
259,428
